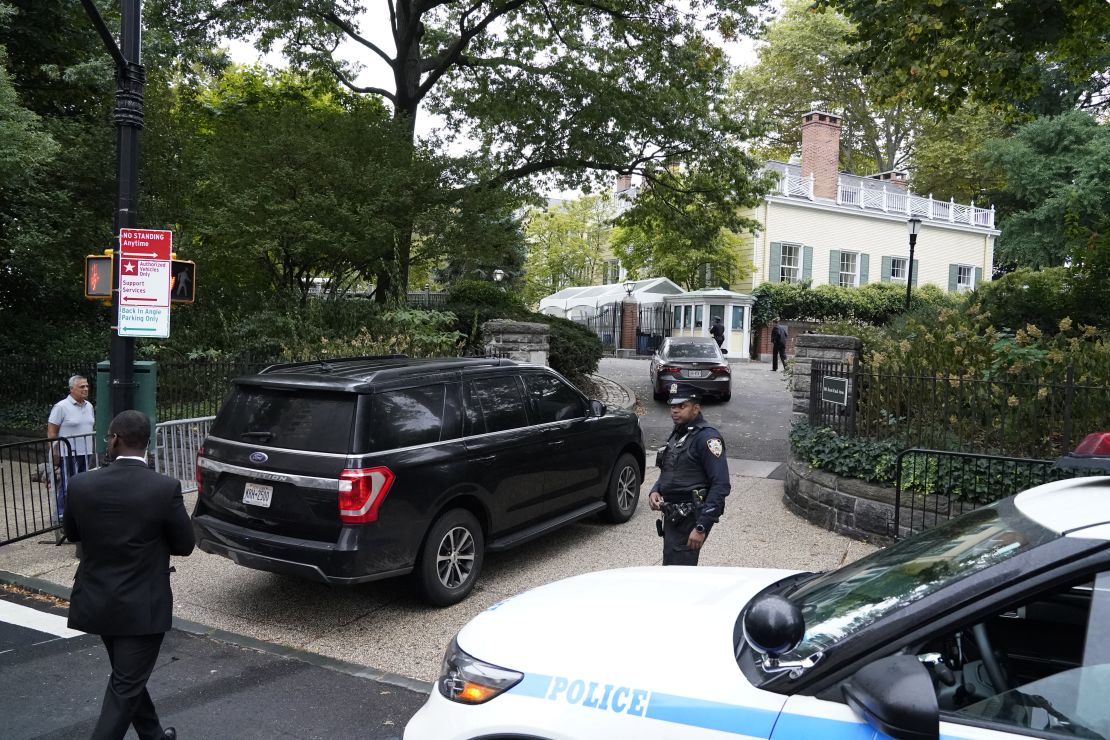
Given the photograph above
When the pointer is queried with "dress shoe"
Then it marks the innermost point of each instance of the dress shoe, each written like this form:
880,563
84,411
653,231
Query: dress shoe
169,734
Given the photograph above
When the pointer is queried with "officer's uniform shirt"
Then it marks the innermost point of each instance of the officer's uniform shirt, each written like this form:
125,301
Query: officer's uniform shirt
695,459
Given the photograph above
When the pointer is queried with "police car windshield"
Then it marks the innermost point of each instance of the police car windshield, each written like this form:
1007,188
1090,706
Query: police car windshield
838,604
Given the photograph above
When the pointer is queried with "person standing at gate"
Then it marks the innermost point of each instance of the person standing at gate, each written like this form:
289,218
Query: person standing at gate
778,345
130,519
717,331
73,419
693,482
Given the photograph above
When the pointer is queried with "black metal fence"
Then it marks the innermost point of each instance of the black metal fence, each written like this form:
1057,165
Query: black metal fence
29,485
1014,417
606,323
651,328
932,486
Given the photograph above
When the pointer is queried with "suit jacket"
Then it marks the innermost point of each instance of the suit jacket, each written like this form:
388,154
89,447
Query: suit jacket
129,520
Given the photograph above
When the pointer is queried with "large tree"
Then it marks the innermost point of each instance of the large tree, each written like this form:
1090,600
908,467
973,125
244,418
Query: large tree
1056,192
567,91
568,244
802,67
1042,57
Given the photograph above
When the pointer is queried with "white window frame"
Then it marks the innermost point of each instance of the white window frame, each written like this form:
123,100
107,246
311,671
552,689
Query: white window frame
790,269
962,285
902,263
849,278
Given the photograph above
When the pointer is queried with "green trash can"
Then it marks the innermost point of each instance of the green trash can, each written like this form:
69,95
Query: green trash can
145,397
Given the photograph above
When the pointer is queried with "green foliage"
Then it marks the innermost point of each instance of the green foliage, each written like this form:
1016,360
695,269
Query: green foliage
1042,298
802,68
686,219
1056,195
575,351
1043,56
563,92
950,159
568,245
872,304
851,457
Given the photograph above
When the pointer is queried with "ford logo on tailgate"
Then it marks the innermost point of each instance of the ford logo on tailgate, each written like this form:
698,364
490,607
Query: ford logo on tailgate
259,457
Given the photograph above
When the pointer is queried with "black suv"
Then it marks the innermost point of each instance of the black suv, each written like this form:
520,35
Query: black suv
352,470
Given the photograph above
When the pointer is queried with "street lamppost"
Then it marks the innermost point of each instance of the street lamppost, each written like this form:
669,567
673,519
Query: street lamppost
629,286
913,226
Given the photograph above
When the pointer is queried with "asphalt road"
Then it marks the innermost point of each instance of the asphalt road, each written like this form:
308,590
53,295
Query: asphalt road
51,685
754,424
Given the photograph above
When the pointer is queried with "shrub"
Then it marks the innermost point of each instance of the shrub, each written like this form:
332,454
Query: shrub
874,303
866,459
575,350
475,302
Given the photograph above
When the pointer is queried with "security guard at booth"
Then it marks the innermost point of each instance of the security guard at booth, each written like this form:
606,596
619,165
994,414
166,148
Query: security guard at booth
693,484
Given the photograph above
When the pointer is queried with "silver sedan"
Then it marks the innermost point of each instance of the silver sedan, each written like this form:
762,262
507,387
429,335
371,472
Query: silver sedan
694,360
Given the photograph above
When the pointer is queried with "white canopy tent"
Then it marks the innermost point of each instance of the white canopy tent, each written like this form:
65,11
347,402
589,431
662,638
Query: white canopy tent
583,302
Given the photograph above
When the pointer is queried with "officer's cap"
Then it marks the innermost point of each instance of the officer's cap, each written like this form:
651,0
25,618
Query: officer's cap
683,392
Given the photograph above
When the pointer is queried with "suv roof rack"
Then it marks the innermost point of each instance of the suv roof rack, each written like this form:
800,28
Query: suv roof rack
325,364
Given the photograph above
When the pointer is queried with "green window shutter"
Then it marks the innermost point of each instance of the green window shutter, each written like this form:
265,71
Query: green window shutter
807,263
834,267
774,273
953,278
978,277
916,269
885,277
864,268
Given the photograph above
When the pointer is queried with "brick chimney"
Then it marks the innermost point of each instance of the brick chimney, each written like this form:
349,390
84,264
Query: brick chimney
894,177
624,182
821,151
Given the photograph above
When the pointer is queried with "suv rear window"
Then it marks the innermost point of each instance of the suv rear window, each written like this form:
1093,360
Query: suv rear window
407,417
289,419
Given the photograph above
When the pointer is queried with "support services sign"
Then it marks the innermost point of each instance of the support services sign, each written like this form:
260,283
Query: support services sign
144,283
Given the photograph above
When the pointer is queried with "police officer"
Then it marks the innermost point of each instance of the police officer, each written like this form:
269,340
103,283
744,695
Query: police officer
693,483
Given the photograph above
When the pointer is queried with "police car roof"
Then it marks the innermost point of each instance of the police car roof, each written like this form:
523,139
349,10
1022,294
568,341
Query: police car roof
1078,506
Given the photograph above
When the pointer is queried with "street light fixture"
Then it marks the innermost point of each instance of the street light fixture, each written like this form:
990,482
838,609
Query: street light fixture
913,226
629,286
499,275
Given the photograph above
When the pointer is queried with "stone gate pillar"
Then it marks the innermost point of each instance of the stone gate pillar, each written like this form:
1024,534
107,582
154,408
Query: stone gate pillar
521,340
810,347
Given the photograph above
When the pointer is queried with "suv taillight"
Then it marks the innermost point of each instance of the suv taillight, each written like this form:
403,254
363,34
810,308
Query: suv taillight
196,468
361,492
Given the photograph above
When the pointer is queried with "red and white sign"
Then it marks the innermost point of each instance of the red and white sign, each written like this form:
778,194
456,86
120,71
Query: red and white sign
148,244
144,269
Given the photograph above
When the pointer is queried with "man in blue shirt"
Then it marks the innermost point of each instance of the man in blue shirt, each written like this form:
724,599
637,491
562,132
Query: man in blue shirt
73,419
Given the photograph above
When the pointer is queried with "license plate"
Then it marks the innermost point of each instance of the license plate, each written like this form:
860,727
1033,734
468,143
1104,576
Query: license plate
696,373
256,494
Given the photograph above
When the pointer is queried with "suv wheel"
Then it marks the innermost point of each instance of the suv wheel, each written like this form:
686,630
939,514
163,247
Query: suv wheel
624,490
451,558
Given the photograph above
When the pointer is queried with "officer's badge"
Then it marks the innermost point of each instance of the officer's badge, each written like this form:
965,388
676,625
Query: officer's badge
716,446
674,388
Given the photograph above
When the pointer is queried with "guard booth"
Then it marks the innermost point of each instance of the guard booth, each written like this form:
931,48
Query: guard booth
691,314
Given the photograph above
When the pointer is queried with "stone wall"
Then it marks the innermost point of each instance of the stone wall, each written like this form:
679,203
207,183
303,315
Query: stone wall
843,505
520,340
810,347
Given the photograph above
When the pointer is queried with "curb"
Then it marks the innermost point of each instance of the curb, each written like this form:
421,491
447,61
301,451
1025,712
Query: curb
40,586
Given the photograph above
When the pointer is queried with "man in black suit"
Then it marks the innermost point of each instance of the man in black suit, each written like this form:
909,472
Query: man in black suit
130,520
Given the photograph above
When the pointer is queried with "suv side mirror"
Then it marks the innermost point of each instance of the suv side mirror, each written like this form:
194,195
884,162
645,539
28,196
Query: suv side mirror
896,696
597,408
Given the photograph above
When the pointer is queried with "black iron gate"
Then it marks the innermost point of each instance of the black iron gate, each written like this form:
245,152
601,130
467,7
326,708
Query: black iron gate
651,328
932,486
606,323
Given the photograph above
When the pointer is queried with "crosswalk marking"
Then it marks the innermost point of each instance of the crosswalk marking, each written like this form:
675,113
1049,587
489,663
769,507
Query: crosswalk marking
25,616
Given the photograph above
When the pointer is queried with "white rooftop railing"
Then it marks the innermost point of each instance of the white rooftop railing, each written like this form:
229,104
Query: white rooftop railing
887,201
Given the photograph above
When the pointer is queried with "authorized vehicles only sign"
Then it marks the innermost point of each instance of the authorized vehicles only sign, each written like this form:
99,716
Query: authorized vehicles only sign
144,282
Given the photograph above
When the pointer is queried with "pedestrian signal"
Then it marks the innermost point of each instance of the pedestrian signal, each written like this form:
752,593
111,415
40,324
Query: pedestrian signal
183,285
98,276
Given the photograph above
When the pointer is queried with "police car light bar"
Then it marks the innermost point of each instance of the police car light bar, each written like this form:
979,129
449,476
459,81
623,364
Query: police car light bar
1093,453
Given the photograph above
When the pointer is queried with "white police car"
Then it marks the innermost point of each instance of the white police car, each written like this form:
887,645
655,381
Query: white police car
992,625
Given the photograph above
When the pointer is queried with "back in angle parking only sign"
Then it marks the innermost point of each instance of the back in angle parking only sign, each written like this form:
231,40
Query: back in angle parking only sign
834,390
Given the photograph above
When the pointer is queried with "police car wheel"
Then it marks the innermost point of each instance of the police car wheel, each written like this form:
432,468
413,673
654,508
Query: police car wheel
451,558
624,490
656,394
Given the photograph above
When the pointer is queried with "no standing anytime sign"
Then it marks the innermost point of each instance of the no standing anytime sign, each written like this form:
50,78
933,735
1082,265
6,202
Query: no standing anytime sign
144,282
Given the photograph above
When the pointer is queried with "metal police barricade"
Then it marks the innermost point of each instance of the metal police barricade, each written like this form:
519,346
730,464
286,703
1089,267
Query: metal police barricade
33,479
175,448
